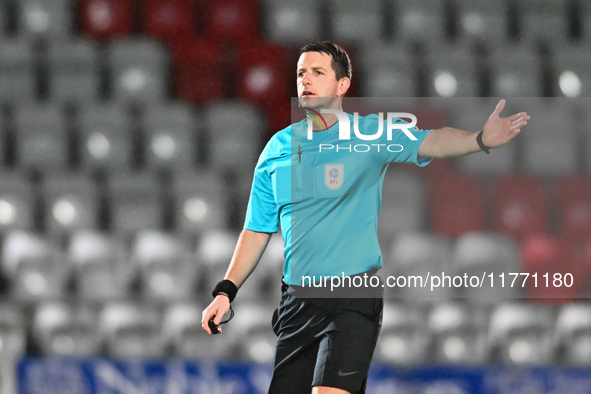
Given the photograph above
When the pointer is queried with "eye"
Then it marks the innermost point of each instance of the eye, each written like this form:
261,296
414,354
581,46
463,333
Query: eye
319,72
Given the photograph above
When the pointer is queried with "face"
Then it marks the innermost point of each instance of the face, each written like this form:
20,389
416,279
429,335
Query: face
317,84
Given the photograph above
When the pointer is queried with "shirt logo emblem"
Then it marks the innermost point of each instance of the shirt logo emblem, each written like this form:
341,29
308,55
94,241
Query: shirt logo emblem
334,176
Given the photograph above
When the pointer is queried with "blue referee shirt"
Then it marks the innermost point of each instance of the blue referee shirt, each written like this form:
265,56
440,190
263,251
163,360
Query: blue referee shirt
327,200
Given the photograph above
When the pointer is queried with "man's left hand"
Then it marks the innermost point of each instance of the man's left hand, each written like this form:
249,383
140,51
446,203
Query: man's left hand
498,131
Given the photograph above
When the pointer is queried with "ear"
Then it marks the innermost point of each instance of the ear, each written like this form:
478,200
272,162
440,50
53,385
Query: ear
343,85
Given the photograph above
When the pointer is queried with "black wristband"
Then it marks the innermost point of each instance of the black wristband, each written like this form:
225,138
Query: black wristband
484,148
227,287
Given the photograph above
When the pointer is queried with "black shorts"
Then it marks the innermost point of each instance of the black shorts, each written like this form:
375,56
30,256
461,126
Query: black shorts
324,342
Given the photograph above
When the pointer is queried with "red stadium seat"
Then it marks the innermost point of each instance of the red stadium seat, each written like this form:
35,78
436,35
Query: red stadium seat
544,254
574,199
232,20
106,19
263,74
586,269
521,206
198,71
170,20
457,205
431,118
279,117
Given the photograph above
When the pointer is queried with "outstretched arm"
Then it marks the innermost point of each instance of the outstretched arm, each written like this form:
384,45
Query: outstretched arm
249,249
450,142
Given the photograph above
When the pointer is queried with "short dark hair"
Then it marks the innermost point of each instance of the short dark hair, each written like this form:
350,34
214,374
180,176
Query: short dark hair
341,64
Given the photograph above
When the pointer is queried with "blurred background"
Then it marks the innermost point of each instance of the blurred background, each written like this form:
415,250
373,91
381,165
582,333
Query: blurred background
129,130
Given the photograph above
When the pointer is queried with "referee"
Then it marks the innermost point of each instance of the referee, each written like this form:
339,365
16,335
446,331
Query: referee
327,204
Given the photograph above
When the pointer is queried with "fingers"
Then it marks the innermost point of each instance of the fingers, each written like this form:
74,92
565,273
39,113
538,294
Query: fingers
218,318
519,123
522,116
513,134
207,316
519,115
212,313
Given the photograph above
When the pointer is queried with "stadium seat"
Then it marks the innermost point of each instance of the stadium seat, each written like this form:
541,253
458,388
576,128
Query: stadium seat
4,154
484,253
170,21
573,333
3,18
543,20
585,20
132,330
18,80
279,116
403,205
139,70
418,254
135,202
63,330
198,71
483,21
167,269
71,203
559,274
17,202
420,20
42,137
214,250
546,152
105,138
232,20
389,71
574,206
571,76
47,19
201,202
522,334
13,334
460,334
471,114
106,19
257,342
36,268
171,137
404,338
584,119
457,205
288,23
521,205
452,72
102,267
586,268
262,74
233,149
515,71
73,72
352,21
182,330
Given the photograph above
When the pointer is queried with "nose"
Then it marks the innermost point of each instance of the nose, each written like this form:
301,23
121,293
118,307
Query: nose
306,80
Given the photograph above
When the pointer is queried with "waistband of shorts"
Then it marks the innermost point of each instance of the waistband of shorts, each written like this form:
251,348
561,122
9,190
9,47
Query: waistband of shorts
325,291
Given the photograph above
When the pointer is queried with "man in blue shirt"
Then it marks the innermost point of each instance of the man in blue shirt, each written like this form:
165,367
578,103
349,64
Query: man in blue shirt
326,194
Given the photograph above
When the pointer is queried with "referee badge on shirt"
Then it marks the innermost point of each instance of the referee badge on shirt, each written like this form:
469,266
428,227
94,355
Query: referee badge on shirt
334,176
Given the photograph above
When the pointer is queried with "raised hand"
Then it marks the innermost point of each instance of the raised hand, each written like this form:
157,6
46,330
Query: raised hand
498,131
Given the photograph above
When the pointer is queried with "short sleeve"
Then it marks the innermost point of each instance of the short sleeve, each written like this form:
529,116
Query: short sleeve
262,211
401,148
